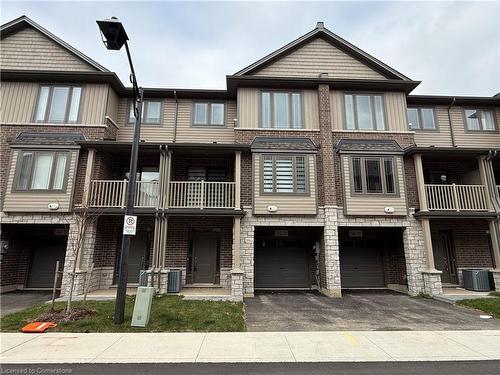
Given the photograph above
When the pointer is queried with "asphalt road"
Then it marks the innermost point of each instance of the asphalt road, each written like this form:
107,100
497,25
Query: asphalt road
361,368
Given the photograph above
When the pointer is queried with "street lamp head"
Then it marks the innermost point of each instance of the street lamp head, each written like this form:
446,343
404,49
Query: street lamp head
112,33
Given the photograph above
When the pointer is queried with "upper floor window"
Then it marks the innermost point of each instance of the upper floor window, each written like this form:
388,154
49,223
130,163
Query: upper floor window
206,113
41,170
364,112
420,118
58,104
479,120
281,110
373,175
151,112
284,174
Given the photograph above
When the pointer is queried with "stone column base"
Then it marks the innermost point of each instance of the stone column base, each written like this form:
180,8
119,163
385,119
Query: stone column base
333,293
78,286
496,278
153,280
432,282
237,285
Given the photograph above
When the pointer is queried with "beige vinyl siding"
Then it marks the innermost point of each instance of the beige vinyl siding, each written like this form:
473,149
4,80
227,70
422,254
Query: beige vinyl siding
185,131
28,49
249,108
437,138
38,201
319,56
374,206
465,138
112,105
394,106
18,101
93,105
286,204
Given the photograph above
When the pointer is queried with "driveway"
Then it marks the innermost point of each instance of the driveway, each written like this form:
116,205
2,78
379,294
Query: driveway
357,311
17,301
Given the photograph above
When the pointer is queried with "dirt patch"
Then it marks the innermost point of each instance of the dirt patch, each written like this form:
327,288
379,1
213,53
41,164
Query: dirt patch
60,316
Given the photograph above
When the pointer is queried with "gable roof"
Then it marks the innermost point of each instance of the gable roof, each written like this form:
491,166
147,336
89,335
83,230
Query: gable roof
321,32
22,22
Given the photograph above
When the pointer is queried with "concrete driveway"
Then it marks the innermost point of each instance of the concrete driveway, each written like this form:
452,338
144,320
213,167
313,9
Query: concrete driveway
357,311
17,301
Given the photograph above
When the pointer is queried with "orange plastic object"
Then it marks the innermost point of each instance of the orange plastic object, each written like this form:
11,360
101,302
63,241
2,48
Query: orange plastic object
37,327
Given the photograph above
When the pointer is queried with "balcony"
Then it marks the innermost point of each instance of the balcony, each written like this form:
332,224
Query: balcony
182,194
452,197
201,194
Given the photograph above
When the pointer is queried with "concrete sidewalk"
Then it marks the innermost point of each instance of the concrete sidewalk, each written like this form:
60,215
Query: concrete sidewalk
250,347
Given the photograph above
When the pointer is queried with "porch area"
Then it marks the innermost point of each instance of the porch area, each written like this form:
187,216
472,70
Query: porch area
180,179
201,248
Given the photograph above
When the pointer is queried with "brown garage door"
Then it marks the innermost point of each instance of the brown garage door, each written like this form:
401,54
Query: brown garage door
284,267
361,267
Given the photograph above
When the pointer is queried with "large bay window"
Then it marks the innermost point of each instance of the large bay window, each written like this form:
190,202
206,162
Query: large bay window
58,104
284,174
281,110
373,175
41,170
364,112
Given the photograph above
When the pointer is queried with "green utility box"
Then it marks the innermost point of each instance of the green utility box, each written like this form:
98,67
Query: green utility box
142,307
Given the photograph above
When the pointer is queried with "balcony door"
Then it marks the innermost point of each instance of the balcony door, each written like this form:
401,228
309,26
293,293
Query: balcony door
444,257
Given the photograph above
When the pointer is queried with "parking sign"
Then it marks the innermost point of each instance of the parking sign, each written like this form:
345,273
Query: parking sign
129,225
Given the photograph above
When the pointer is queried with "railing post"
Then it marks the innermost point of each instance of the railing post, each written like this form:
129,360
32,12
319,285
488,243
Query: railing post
124,193
202,194
455,196
419,171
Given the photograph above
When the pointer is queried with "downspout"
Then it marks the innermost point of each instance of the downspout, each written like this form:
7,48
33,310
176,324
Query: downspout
176,113
490,176
451,125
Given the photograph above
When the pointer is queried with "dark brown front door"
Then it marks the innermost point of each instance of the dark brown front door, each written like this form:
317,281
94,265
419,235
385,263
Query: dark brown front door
444,257
137,256
204,258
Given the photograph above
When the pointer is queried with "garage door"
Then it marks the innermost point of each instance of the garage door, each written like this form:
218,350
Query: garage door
45,253
281,268
361,267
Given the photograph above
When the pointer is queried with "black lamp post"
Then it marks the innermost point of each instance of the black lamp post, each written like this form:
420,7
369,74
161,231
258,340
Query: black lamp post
114,37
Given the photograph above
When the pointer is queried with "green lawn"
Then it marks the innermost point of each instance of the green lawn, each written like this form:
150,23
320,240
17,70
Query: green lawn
488,305
169,314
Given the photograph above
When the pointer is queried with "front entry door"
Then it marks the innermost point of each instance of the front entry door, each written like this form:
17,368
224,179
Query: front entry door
137,256
204,258
444,257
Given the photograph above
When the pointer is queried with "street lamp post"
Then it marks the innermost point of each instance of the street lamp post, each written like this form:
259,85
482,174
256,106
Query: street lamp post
114,37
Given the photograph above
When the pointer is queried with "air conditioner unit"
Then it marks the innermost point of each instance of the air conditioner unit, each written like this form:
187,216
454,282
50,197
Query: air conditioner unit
174,281
143,278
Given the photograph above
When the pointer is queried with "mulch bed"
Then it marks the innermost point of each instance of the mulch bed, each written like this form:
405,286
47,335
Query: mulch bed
60,316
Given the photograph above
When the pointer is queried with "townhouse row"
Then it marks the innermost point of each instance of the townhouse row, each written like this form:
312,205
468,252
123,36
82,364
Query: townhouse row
314,169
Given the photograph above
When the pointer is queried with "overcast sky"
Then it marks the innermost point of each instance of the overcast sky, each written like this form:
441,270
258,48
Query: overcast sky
452,47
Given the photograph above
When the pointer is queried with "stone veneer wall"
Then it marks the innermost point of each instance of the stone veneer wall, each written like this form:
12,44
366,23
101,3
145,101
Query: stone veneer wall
331,218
